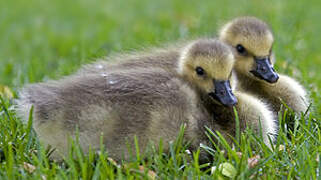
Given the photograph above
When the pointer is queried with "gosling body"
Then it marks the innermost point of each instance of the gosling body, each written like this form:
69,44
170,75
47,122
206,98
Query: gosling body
286,90
149,103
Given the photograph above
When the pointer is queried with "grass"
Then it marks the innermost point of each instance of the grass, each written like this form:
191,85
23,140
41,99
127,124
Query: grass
42,40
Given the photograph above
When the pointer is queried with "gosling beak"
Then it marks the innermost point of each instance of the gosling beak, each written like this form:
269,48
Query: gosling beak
265,71
223,93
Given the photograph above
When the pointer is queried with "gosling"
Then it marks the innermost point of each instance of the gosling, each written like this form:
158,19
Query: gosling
251,40
149,103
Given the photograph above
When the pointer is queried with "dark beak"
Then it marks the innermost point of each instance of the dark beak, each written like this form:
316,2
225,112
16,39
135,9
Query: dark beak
265,71
223,93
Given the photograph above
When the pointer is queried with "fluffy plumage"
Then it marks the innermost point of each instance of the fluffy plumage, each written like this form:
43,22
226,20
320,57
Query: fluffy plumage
150,103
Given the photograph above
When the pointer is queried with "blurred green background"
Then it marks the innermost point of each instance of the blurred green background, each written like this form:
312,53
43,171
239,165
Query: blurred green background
48,39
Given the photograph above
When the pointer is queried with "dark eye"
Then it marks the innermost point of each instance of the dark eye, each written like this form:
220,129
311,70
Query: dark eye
241,49
200,71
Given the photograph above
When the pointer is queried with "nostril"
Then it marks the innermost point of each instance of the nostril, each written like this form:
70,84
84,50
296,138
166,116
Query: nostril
223,92
263,69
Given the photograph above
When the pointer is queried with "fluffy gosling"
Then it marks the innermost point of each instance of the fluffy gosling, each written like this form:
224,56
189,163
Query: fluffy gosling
251,40
149,103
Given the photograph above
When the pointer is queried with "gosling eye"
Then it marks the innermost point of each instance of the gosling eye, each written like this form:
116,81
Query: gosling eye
240,49
200,71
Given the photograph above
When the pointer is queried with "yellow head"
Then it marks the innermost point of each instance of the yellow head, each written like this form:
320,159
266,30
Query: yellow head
251,40
207,64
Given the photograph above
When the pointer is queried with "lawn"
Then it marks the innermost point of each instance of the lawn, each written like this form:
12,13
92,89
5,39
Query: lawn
42,40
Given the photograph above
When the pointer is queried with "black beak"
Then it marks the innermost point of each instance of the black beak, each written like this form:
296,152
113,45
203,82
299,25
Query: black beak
265,71
223,93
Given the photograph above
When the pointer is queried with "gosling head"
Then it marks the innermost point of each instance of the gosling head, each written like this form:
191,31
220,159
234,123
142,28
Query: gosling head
207,64
251,40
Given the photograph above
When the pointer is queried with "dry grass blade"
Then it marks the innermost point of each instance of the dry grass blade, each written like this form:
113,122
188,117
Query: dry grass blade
29,167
